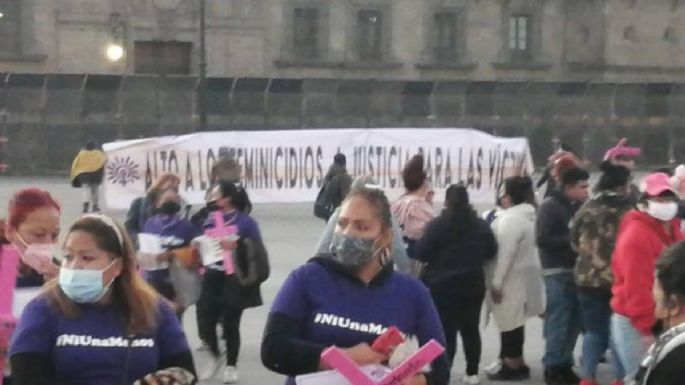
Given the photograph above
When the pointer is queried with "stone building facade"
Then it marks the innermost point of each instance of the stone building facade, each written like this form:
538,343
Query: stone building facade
581,71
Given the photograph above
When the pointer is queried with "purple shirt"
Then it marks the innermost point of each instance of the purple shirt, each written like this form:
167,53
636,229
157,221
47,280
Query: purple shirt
91,349
247,227
336,309
174,230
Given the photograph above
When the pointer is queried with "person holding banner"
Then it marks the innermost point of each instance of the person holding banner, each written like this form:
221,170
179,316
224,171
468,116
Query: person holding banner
224,297
350,296
414,209
455,247
99,323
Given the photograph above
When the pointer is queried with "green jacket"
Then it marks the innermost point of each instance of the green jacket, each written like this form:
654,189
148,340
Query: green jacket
593,236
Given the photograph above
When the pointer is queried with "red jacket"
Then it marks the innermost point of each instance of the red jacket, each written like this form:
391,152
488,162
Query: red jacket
640,241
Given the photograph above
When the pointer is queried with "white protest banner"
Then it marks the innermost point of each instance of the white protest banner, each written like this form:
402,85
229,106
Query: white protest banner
290,166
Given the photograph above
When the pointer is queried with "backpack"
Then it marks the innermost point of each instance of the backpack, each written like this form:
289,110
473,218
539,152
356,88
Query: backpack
323,207
252,262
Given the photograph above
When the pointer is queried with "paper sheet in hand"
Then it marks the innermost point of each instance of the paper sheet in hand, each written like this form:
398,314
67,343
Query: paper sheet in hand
332,377
150,243
150,246
210,250
22,297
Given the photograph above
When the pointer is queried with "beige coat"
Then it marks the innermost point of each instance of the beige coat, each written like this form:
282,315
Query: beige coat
516,270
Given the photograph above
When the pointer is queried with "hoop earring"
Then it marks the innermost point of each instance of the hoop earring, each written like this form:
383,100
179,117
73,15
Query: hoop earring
385,256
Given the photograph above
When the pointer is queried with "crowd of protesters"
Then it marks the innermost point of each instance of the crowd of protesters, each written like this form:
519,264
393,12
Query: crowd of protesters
604,262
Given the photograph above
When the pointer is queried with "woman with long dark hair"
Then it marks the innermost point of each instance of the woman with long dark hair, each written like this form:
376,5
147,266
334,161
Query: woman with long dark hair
455,247
225,295
516,287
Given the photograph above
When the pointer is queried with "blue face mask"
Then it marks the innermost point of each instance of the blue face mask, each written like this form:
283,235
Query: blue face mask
84,286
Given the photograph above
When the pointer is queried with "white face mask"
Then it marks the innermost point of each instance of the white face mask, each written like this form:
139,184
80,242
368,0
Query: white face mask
663,211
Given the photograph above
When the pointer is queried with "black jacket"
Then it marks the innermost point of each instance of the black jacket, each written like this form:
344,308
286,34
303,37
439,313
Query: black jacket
448,254
663,364
242,289
553,232
339,182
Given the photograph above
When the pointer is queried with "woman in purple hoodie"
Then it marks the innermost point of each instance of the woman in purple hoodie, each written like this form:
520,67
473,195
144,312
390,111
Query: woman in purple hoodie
174,234
348,297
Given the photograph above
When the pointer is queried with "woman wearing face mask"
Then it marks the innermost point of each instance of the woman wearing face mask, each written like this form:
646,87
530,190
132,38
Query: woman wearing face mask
663,364
99,323
355,284
643,234
174,234
399,253
224,297
33,227
144,207
455,247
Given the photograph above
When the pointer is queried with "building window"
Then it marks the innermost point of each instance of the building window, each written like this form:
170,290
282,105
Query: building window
306,33
10,26
370,35
162,57
445,39
519,35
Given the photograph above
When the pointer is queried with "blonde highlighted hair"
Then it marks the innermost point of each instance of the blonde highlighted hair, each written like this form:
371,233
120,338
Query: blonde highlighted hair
156,186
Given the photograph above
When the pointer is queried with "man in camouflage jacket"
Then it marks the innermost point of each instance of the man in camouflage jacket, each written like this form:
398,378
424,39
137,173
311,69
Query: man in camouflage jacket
593,236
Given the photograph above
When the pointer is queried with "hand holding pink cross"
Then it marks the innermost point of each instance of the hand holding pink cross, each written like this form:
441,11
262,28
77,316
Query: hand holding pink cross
220,232
337,359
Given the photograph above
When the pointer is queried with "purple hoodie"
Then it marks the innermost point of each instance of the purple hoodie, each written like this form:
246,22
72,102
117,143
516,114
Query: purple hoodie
175,231
335,308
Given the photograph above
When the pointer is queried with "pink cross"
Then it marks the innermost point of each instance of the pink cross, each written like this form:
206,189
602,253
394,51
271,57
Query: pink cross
9,267
220,232
338,360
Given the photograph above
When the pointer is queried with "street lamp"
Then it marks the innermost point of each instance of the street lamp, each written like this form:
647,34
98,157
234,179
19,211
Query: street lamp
114,52
202,87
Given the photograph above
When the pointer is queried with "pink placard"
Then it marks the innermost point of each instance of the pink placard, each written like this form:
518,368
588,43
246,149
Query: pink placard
338,360
9,268
221,231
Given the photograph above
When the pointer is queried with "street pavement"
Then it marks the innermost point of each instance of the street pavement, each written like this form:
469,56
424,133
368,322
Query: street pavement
290,232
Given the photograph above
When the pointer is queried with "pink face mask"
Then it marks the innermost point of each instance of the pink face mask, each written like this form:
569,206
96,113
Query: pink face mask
38,256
